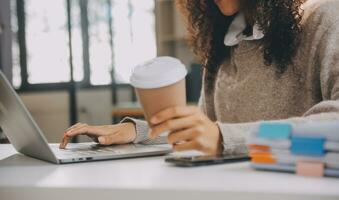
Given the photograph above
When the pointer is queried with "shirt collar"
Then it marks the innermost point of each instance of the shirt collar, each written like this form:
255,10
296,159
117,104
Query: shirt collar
236,29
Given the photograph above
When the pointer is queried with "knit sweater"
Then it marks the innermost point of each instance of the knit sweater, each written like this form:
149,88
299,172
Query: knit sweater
246,92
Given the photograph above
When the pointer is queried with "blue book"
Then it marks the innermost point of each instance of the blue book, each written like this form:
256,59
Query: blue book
308,146
274,131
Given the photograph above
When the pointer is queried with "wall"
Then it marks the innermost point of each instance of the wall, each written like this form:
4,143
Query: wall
171,32
50,110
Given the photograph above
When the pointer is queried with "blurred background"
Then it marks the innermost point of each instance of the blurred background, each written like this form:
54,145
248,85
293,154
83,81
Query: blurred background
70,60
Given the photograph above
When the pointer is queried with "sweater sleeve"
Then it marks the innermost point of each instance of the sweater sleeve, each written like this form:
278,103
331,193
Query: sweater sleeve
234,135
142,130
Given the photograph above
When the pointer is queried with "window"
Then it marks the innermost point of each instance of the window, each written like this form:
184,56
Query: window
108,37
15,47
134,35
46,41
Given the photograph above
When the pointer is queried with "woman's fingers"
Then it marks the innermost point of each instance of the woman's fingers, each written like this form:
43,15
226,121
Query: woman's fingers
64,142
106,135
185,146
183,135
172,125
83,129
72,127
78,129
173,112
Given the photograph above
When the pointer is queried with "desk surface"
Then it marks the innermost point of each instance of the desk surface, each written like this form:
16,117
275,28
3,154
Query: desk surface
150,178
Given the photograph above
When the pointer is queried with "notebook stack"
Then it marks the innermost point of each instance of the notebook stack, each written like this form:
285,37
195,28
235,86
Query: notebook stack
308,149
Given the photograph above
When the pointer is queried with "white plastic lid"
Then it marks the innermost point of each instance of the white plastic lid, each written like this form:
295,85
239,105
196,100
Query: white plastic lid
158,72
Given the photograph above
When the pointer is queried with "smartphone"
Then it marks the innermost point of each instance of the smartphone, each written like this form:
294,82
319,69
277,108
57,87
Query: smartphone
206,160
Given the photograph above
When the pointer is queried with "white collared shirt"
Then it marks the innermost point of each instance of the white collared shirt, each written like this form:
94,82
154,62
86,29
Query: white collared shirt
236,29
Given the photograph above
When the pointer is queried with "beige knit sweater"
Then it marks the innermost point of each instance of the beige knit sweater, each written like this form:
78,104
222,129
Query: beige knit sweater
247,92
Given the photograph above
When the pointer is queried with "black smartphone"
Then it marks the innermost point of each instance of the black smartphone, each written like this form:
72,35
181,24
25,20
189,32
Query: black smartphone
206,160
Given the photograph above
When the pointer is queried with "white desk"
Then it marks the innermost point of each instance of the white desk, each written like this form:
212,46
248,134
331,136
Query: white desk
22,177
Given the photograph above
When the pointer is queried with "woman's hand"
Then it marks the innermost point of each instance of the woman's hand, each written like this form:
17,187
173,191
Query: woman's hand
189,129
106,135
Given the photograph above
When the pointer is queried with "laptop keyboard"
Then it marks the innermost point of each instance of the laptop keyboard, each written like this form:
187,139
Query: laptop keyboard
93,149
87,152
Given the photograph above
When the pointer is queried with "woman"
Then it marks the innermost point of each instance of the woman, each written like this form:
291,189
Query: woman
263,60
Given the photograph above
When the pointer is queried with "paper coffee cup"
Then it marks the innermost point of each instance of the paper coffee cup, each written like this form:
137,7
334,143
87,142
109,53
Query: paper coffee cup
159,84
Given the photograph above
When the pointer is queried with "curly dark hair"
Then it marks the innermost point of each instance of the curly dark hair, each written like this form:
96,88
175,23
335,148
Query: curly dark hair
280,21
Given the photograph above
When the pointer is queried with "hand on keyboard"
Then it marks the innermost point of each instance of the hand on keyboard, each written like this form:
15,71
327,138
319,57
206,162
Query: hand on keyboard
106,135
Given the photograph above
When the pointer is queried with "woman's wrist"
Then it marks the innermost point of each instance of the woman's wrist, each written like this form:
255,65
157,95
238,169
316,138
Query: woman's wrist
131,130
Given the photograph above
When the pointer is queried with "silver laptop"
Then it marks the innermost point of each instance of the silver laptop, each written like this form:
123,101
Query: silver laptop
27,138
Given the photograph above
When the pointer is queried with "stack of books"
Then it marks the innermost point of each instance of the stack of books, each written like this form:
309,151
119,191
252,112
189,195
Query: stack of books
307,149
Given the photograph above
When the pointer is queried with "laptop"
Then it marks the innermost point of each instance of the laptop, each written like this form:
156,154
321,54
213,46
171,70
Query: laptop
28,139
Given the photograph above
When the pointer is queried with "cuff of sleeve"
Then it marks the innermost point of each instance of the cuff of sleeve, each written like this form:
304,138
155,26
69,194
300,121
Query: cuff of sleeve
234,137
141,127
